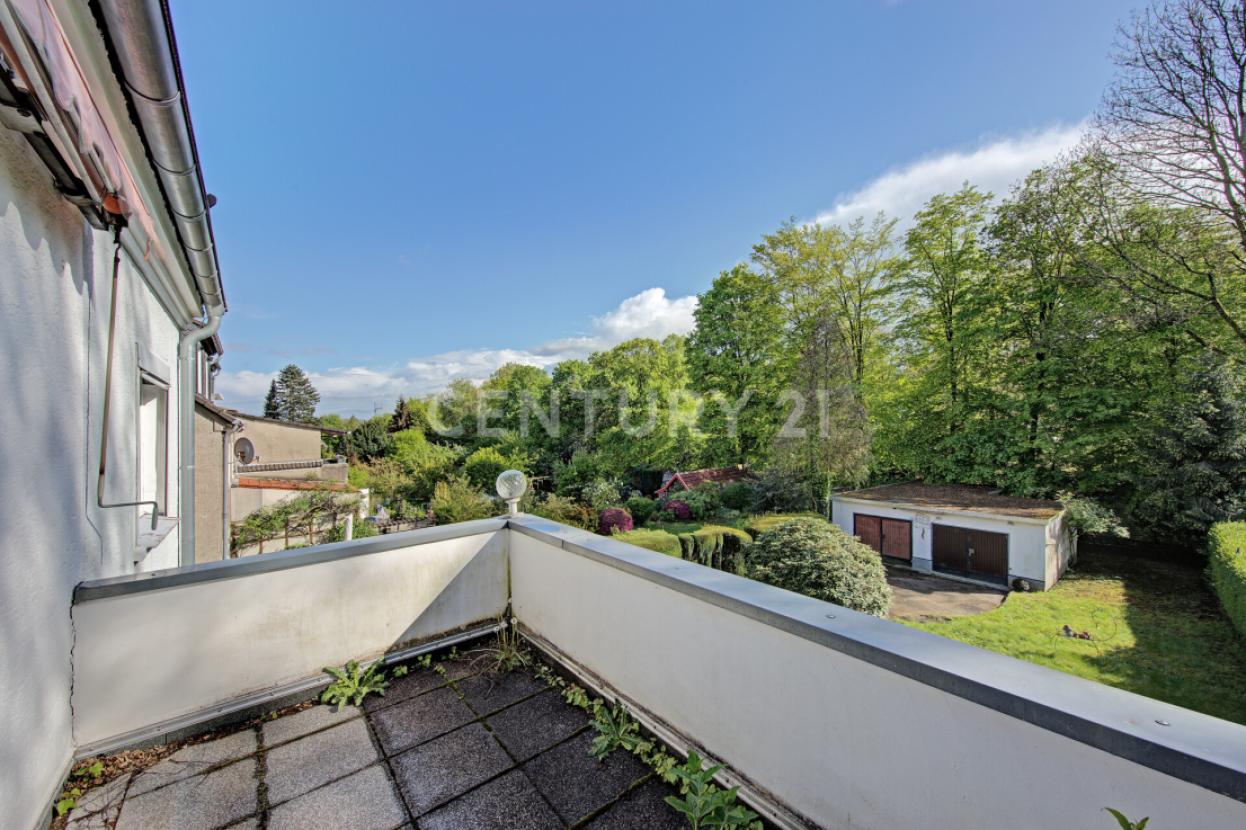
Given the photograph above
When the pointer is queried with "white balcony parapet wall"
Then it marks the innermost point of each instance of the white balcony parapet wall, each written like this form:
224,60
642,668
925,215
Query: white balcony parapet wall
157,650
852,721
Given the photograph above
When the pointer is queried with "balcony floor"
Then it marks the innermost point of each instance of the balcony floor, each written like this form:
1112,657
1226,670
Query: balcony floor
438,752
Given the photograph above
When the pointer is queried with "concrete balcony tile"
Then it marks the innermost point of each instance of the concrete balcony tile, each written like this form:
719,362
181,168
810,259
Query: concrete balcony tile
536,724
105,799
195,759
435,772
304,723
296,768
487,693
644,808
364,800
420,719
200,802
416,683
577,784
506,803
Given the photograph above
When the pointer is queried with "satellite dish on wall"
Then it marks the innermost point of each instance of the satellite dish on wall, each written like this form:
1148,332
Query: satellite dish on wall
244,450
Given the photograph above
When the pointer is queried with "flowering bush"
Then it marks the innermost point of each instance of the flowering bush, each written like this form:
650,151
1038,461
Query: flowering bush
679,510
614,520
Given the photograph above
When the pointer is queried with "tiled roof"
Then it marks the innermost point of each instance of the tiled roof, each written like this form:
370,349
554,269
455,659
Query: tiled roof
717,475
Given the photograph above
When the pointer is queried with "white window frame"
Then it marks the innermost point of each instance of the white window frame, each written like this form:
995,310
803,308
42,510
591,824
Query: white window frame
150,380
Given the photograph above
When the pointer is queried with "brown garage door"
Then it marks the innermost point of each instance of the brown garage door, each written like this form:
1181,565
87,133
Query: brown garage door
890,537
977,553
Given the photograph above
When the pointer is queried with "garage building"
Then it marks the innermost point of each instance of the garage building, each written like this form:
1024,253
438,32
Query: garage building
968,532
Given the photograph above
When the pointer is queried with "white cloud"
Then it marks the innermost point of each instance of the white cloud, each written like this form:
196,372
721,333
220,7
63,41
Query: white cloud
358,389
994,166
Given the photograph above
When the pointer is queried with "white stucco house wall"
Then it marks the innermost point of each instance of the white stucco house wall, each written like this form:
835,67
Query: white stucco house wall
966,532
75,168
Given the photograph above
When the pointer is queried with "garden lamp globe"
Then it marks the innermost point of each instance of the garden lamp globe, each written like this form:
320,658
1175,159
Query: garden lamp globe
511,485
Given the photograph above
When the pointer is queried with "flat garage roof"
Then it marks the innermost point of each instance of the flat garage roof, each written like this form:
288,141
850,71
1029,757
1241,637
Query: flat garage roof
957,497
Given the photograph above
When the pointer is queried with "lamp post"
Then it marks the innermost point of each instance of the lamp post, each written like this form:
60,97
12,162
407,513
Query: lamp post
511,486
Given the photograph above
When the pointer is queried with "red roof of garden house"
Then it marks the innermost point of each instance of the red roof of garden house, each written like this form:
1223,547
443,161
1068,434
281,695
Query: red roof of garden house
717,475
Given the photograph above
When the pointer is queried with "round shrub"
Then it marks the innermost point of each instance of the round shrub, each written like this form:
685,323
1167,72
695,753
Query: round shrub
614,519
678,510
641,508
738,495
817,559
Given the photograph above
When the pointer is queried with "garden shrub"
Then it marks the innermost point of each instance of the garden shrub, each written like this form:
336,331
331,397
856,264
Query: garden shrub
362,530
614,519
421,464
483,467
601,493
781,490
757,525
738,495
562,509
455,500
571,477
1226,549
641,508
703,500
676,511
817,559
655,540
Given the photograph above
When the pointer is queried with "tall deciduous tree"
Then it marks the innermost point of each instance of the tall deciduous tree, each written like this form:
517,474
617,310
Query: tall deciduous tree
941,279
1174,129
736,357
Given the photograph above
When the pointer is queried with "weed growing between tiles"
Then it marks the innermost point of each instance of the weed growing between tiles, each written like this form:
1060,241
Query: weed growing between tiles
703,803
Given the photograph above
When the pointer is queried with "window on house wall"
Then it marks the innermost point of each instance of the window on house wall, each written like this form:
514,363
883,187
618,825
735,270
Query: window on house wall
153,443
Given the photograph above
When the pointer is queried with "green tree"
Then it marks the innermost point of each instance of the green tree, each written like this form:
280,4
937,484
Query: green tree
1198,476
1172,127
423,463
409,413
515,392
296,398
370,440
941,279
272,402
735,356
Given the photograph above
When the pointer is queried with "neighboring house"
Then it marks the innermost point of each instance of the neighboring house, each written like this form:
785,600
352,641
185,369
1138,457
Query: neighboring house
274,461
674,482
109,300
215,432
963,531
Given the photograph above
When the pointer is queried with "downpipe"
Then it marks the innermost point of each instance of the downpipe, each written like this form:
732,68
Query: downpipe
187,350
108,365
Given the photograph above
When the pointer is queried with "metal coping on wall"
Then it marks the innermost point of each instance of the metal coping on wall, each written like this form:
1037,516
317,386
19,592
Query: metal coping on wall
280,561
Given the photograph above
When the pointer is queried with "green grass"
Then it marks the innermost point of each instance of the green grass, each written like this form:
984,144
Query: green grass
1157,630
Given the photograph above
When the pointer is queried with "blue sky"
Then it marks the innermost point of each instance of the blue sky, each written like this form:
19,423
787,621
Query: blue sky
412,192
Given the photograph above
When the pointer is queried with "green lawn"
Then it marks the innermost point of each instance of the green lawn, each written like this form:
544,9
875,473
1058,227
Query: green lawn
1157,630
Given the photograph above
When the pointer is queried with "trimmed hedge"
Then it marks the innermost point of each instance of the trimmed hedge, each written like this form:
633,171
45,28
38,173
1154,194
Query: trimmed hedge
817,559
757,525
1226,549
716,546
655,540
